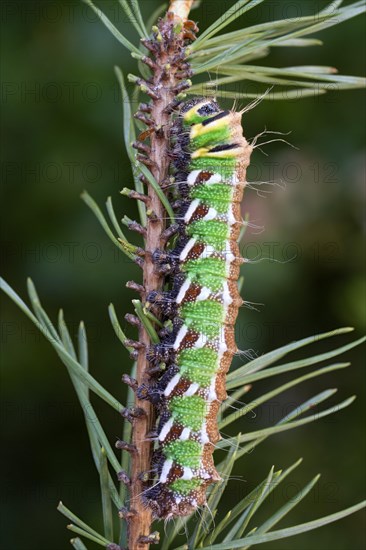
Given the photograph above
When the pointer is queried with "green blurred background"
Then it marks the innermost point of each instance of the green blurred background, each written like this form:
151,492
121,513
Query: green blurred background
62,119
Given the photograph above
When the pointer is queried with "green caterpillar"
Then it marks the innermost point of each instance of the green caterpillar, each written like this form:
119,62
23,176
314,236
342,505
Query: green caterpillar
210,158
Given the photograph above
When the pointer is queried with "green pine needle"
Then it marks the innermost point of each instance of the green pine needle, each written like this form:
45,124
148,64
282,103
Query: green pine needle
289,531
145,320
72,365
129,137
81,524
78,544
116,33
106,497
273,393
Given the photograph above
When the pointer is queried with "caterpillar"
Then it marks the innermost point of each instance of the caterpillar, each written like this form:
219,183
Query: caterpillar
209,161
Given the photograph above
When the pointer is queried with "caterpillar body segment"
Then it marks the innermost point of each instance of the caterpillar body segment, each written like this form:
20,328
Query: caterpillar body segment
209,157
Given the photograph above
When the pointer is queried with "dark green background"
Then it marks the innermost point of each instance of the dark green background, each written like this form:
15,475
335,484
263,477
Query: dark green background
62,122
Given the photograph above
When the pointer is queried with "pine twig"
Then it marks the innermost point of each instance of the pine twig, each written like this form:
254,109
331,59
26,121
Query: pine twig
162,89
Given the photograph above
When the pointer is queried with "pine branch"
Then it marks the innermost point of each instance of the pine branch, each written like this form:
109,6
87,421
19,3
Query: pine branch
163,88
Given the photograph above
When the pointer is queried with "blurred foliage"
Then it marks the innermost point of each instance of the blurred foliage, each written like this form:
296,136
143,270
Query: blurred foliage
62,119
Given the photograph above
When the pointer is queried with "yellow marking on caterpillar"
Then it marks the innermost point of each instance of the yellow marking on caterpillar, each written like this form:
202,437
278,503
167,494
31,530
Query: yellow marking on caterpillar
200,129
227,153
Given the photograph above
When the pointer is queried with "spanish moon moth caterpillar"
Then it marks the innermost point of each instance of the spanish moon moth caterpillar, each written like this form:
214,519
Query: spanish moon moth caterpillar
209,157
